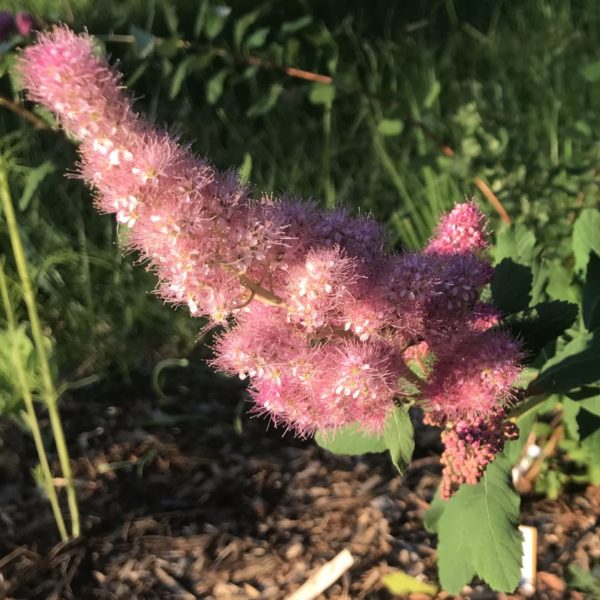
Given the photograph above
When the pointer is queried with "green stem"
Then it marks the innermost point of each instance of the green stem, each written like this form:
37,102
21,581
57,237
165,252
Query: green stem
526,406
32,417
49,391
327,183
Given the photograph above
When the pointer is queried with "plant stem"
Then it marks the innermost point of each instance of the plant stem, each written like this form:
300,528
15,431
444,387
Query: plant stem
49,390
527,405
33,420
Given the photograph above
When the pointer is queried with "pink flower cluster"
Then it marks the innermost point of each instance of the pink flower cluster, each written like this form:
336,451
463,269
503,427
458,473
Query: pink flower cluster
314,310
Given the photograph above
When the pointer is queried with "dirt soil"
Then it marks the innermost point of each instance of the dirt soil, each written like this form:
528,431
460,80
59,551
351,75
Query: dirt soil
187,497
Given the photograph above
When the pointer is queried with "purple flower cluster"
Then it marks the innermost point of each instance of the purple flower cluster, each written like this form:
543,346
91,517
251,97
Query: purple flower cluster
321,318
22,23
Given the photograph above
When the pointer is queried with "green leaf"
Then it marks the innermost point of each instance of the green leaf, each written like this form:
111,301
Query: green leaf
214,19
245,169
583,580
322,93
478,533
591,71
515,242
257,38
591,405
432,516
559,282
400,583
296,25
33,181
200,17
586,237
511,286
573,366
144,42
591,293
16,346
266,103
171,19
242,25
432,94
350,439
569,417
390,127
214,86
512,450
399,438
589,432
178,78
541,324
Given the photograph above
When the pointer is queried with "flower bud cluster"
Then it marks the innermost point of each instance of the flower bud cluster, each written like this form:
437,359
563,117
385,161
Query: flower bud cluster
470,445
22,23
314,310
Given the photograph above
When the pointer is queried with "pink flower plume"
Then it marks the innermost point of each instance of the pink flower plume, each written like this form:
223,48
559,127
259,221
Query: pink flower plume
315,311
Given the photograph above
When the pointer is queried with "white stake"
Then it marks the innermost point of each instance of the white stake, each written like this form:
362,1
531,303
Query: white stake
326,576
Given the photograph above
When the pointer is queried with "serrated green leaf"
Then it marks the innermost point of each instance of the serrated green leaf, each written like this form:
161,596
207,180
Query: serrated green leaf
541,324
591,405
350,439
400,583
321,93
569,417
390,127
399,438
591,293
573,366
511,286
586,237
478,533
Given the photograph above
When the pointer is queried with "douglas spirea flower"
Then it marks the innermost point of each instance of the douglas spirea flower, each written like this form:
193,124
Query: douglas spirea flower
323,321
471,444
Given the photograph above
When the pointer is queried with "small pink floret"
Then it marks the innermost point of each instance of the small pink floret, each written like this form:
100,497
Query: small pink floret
462,230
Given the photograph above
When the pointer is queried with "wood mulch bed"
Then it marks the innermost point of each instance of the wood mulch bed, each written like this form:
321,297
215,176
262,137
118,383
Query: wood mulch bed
187,497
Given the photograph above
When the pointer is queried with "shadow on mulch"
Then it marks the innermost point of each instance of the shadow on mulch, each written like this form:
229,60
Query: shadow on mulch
187,497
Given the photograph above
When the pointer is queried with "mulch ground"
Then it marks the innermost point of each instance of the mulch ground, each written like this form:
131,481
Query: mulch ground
188,497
